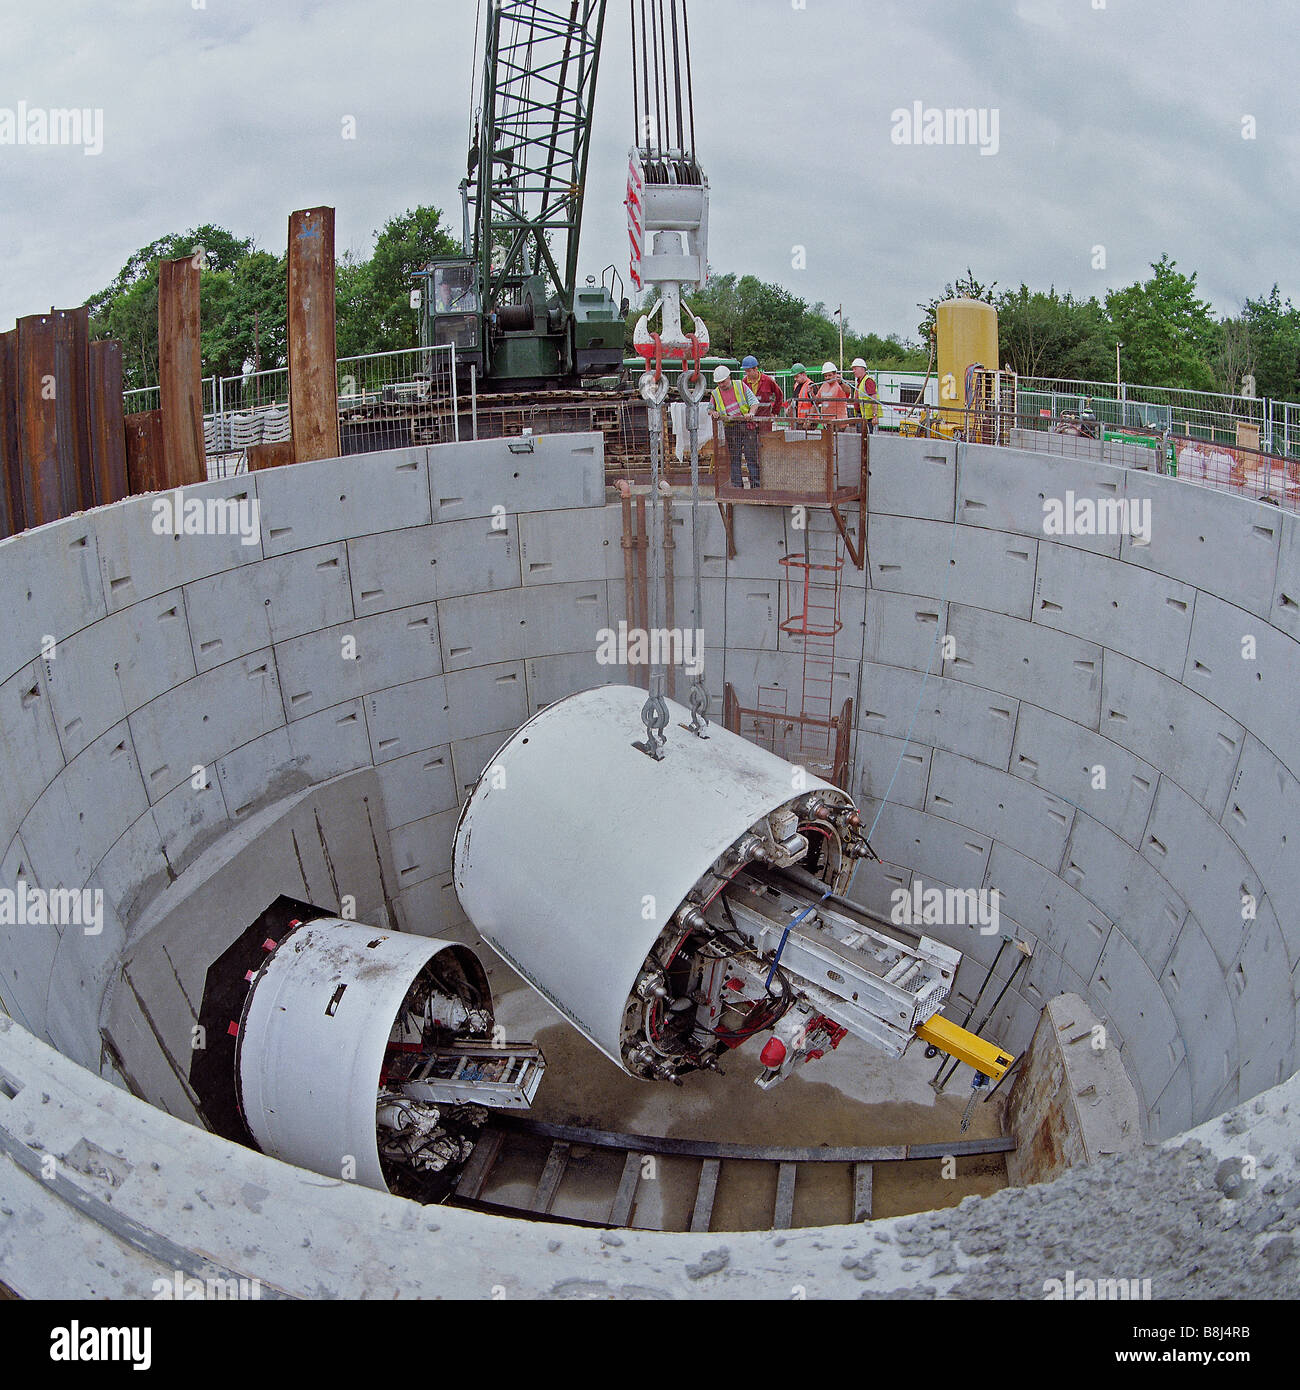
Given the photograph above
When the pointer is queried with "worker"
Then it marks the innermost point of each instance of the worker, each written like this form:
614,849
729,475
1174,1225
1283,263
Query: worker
868,402
833,397
771,399
736,406
803,392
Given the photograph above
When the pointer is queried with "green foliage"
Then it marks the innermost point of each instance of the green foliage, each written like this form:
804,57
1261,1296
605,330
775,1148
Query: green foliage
241,294
244,315
965,287
234,279
374,304
1271,351
1169,335
1054,335
884,352
352,305
746,315
243,297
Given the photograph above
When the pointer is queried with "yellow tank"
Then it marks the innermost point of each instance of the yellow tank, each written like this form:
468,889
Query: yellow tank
967,334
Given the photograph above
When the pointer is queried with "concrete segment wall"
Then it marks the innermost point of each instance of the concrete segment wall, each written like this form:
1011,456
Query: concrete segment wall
173,707
159,694
1166,665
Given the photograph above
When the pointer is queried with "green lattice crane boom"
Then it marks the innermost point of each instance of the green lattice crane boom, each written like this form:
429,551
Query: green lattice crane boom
513,303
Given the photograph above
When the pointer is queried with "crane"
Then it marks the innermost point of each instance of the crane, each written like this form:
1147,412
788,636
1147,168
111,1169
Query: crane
511,302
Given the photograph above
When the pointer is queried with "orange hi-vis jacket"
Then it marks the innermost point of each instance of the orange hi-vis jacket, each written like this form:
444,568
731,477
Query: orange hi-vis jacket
834,398
805,403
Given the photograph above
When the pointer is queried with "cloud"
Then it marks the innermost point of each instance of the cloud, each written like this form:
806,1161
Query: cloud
1118,127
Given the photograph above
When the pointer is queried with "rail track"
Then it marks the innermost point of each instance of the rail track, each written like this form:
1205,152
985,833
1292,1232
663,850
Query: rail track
502,1138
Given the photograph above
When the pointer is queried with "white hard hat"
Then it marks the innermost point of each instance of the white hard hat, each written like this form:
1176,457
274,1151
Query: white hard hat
829,367
722,373
858,362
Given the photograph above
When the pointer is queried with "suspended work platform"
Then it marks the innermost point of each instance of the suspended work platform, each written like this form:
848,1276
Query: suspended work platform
794,463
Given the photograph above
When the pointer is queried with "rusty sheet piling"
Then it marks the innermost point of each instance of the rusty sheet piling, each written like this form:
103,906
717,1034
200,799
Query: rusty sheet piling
146,452
72,405
107,424
49,487
180,371
313,380
11,479
262,456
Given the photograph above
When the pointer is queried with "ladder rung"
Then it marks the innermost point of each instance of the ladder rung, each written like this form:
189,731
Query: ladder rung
620,1212
552,1176
783,1214
862,1192
705,1194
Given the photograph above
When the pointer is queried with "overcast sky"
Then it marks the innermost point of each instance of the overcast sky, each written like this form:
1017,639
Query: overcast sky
1119,123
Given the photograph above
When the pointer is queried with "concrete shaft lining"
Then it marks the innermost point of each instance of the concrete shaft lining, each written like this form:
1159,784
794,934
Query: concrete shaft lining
176,654
1166,665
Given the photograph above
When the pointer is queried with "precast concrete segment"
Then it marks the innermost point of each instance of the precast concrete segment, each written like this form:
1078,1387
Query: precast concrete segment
1203,759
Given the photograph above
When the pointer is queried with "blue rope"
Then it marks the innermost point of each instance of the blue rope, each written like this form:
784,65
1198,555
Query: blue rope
789,927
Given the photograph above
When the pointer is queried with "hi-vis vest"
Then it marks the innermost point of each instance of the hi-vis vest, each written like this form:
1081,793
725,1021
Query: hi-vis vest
739,406
868,405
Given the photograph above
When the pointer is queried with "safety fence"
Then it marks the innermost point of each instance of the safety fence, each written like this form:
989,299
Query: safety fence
1212,418
385,400
410,397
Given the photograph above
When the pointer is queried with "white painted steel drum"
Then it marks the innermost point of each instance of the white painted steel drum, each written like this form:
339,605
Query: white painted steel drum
308,1063
576,849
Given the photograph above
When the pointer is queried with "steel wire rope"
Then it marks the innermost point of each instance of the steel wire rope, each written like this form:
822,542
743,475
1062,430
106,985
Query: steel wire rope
690,81
657,56
665,134
636,95
677,78
474,76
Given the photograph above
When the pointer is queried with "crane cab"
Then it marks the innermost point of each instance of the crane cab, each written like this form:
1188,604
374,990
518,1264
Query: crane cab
525,336
450,309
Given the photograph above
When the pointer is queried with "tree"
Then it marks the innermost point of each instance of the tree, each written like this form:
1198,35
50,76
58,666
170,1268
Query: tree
1273,332
352,312
243,296
967,287
883,352
1169,335
1234,358
245,316
1050,335
746,315
240,289
374,309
